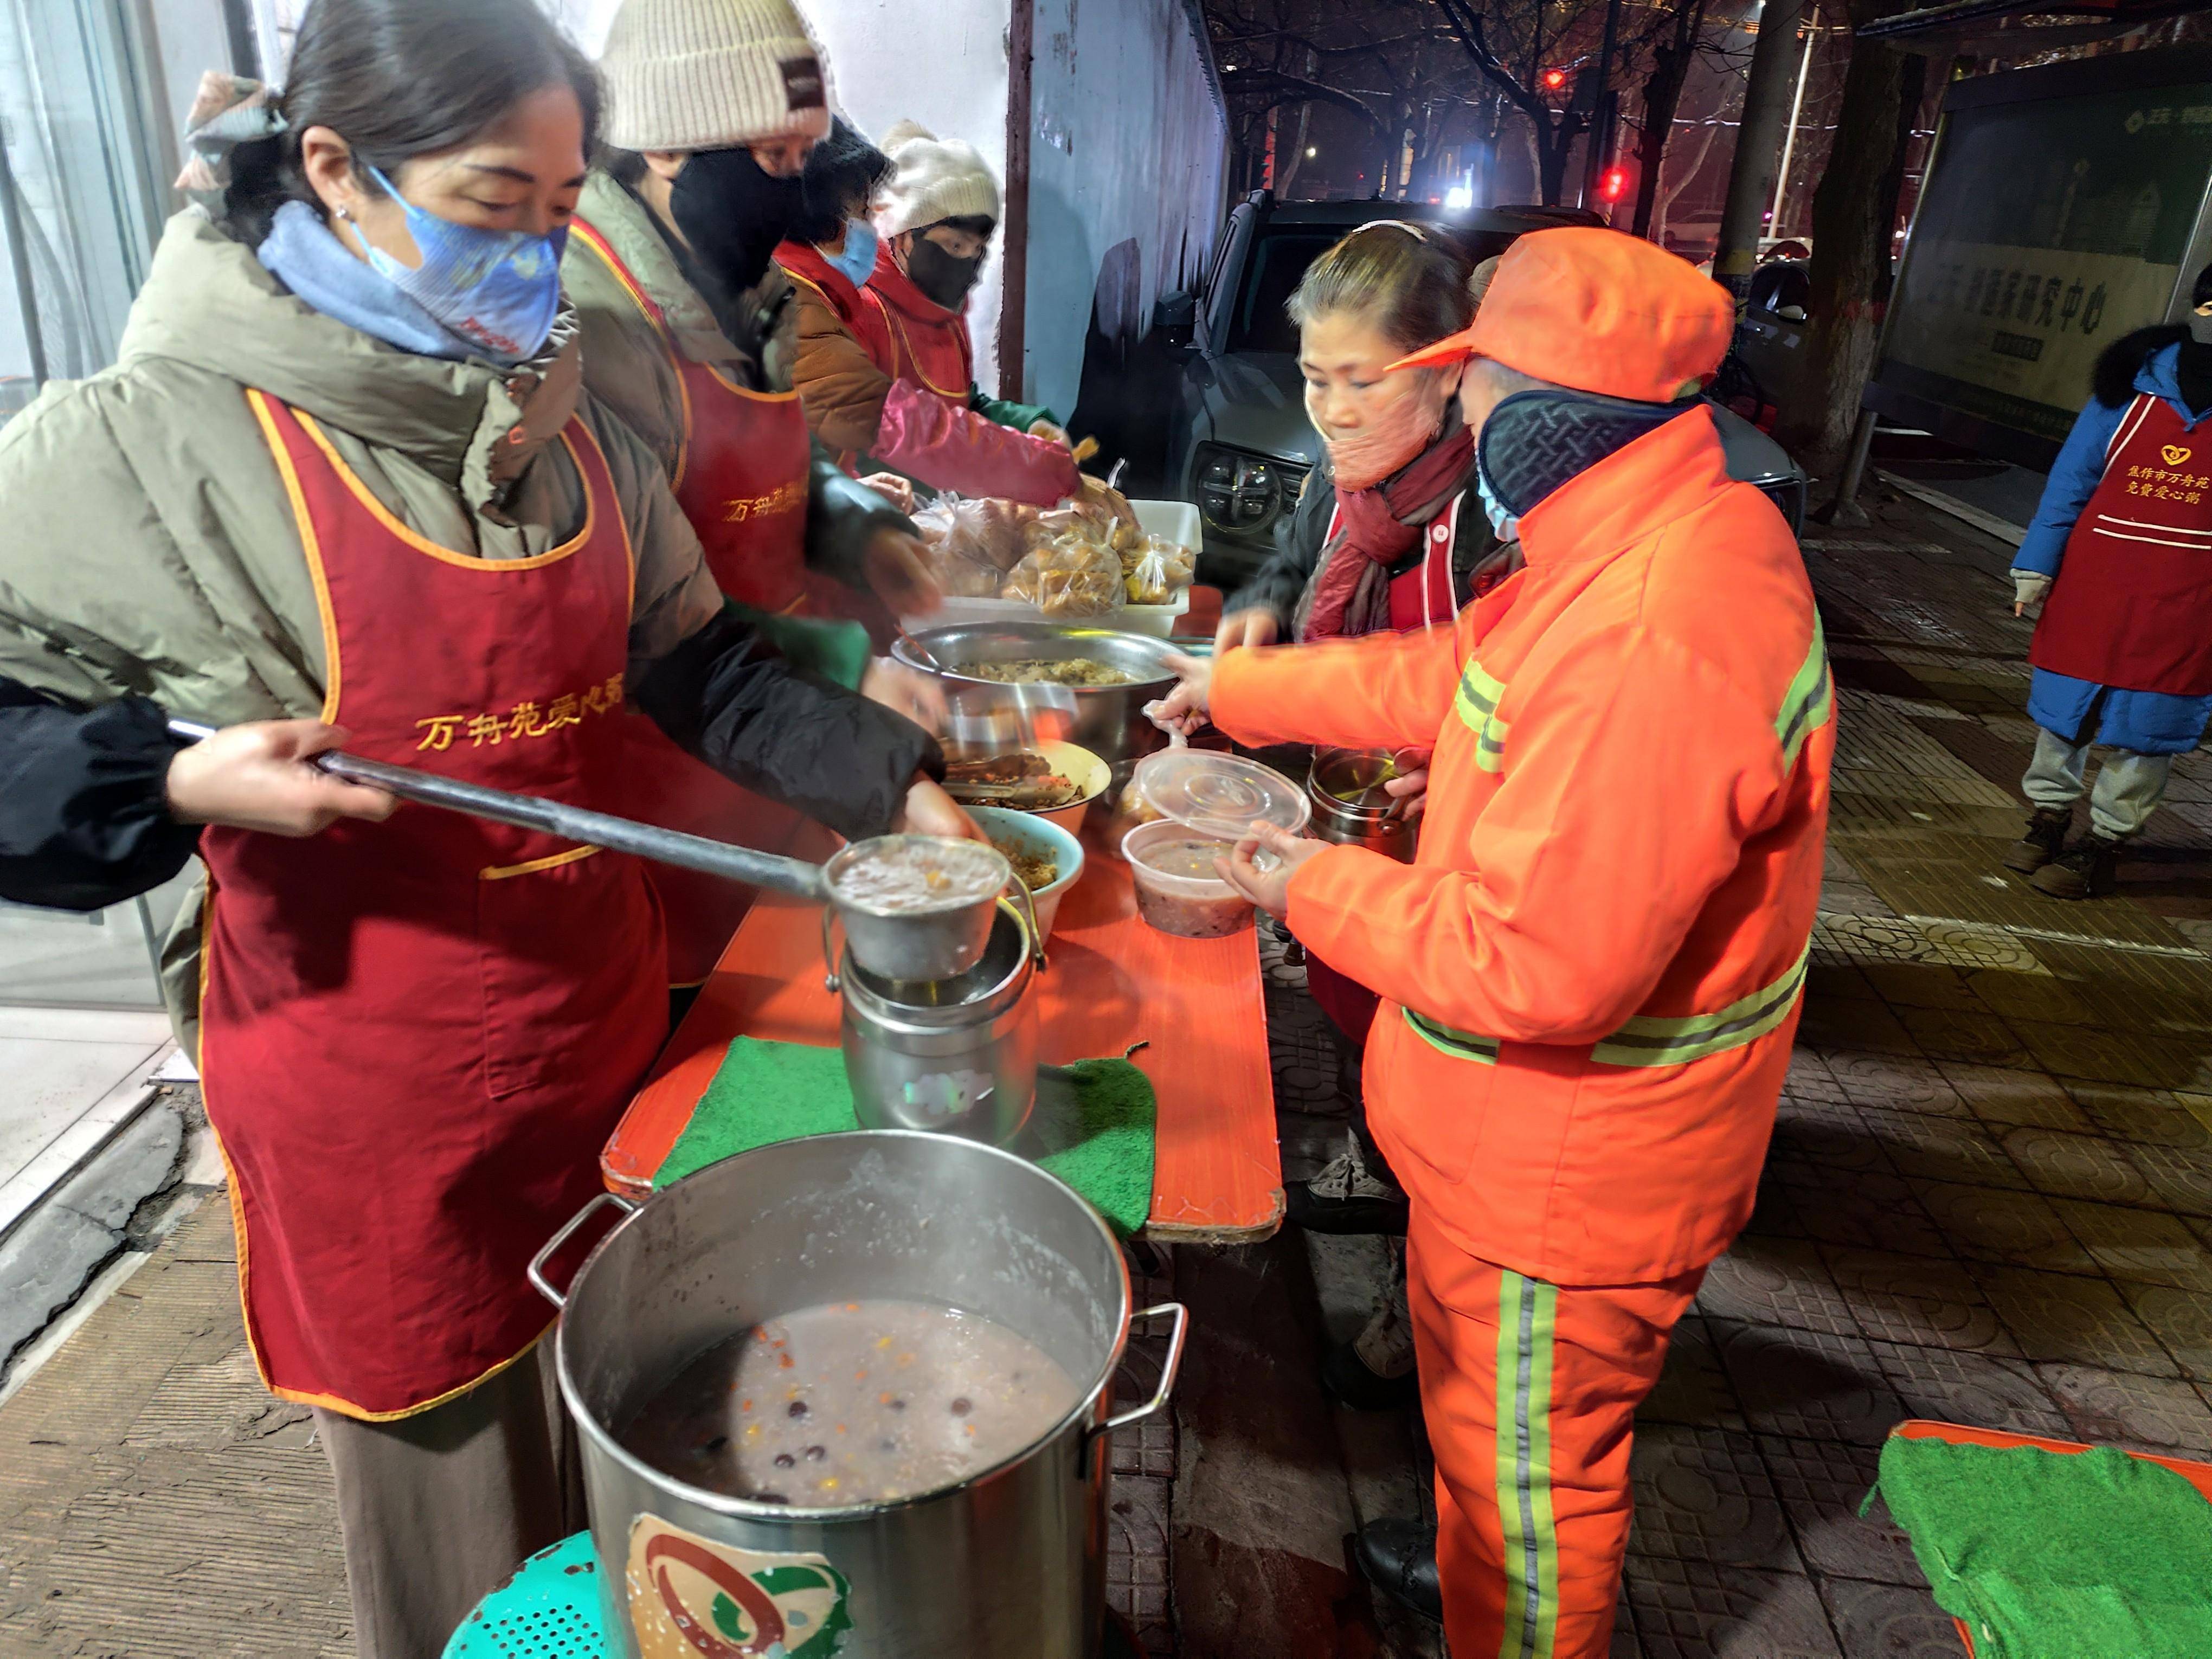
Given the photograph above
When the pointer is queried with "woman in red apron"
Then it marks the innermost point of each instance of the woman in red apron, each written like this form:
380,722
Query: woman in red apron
884,357
687,329
343,471
2122,545
1385,534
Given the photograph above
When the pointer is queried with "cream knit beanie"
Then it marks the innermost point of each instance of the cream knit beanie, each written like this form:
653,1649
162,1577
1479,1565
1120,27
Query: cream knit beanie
711,75
932,179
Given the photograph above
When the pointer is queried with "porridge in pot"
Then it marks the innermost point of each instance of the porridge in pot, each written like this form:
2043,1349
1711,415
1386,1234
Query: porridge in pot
852,1403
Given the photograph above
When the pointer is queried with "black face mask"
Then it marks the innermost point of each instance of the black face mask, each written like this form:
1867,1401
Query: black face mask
940,276
733,215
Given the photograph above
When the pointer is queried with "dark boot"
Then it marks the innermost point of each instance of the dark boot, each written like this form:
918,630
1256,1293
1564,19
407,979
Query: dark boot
2044,838
1399,1558
2088,869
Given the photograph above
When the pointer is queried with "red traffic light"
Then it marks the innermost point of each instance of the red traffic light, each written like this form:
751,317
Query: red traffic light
1553,79
1613,184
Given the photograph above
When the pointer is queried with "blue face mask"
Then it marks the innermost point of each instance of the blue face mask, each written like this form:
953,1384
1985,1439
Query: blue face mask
499,290
1507,525
858,262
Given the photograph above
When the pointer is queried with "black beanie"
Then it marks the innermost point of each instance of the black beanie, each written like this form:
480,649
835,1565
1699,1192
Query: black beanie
839,168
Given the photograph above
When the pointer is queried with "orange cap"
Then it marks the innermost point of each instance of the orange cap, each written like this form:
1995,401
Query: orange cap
1599,311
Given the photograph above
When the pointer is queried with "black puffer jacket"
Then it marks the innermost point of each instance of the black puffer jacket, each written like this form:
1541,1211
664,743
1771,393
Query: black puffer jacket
1299,536
83,821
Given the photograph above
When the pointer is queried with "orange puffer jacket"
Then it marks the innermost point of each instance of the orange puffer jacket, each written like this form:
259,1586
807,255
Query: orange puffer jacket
1591,971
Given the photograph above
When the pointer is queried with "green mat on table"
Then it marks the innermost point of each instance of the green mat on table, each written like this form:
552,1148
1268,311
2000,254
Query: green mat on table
770,1092
2057,1555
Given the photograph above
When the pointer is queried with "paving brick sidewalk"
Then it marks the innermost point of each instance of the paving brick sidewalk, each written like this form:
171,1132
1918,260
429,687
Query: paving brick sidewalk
1989,1199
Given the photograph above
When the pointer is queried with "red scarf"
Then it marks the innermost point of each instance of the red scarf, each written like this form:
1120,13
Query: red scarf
1376,527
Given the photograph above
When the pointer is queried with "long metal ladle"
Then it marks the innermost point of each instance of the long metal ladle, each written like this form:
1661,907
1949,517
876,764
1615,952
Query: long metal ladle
714,858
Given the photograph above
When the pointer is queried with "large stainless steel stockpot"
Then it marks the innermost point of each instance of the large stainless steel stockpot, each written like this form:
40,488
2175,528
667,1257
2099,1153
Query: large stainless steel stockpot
1007,1564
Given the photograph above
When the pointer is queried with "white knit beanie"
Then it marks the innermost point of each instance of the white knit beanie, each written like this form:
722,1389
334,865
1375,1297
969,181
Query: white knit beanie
933,179
711,75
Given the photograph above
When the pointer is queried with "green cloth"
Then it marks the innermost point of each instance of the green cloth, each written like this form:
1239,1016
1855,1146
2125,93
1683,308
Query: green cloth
2057,1555
1020,416
834,650
765,1092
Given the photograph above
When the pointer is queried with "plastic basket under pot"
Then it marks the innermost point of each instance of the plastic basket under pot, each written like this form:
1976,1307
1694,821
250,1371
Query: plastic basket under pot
1011,1563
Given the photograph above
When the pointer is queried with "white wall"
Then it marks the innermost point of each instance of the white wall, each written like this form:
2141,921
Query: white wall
1126,162
942,62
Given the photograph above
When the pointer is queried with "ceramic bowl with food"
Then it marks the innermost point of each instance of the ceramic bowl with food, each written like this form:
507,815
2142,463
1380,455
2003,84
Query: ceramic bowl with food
1033,845
1109,676
1056,781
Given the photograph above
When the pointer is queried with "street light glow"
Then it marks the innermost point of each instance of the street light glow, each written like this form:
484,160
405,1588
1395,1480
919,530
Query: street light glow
1553,79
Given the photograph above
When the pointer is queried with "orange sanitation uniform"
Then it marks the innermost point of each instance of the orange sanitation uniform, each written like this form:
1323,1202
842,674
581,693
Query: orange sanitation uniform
1589,976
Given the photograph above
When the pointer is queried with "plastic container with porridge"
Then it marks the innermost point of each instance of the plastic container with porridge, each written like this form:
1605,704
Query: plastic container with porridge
1206,802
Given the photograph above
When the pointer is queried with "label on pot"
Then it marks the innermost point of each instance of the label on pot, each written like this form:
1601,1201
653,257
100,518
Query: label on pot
691,1598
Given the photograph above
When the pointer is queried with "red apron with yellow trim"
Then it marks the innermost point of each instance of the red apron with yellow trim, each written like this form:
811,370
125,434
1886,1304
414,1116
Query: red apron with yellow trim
741,480
415,1035
929,343
2132,606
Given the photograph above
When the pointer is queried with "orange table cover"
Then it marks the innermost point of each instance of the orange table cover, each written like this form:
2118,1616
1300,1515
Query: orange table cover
1112,981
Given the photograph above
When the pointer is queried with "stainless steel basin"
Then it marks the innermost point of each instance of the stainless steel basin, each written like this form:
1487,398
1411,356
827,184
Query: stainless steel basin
1109,719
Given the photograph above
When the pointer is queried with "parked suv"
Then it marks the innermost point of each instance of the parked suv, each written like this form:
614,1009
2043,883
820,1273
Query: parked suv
1239,444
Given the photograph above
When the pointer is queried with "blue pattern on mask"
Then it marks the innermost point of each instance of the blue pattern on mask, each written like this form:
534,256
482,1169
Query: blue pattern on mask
500,289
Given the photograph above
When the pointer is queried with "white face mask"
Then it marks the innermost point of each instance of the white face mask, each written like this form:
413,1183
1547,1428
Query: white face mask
1503,522
1401,424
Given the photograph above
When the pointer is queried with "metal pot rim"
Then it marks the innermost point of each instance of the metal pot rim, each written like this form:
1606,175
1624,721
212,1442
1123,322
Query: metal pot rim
748,1510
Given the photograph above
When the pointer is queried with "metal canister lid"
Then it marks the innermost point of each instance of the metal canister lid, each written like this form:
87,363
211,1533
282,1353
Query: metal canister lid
1222,795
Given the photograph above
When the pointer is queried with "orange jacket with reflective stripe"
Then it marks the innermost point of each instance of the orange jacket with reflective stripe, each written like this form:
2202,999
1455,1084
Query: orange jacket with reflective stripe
1591,973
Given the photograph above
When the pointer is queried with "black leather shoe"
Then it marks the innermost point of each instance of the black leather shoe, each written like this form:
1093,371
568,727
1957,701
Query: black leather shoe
1399,1558
1346,1378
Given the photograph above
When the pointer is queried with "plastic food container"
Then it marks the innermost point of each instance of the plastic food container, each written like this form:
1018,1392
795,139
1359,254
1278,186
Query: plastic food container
1038,835
1177,891
1224,796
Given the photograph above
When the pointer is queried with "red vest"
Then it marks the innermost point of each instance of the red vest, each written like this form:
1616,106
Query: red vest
741,473
741,480
416,1035
863,318
2132,606
929,346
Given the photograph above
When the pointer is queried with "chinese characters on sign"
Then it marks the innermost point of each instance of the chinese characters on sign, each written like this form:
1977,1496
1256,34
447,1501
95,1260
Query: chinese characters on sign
525,720
2022,296
2187,488
783,498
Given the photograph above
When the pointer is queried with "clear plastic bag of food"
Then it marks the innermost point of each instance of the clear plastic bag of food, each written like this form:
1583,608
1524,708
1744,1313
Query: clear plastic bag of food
1158,571
1068,578
955,534
1002,532
1101,497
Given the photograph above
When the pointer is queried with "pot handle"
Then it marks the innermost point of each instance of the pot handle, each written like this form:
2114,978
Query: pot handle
830,982
558,1299
1169,1368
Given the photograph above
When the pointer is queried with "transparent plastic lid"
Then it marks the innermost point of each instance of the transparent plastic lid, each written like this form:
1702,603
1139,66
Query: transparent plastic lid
1219,794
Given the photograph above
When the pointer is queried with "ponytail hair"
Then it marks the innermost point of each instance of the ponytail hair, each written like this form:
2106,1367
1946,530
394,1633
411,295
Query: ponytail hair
397,79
